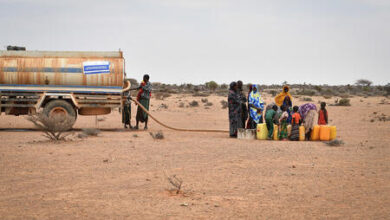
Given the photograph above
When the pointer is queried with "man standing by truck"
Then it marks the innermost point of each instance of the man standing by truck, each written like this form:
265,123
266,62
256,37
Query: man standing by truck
143,97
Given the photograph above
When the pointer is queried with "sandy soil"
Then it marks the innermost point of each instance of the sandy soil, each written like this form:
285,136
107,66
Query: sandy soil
122,174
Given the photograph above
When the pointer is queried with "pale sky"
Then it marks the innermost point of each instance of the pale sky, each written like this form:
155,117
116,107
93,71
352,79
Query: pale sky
194,41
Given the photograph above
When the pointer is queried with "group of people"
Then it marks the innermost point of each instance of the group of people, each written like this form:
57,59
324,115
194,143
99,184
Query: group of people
246,111
143,97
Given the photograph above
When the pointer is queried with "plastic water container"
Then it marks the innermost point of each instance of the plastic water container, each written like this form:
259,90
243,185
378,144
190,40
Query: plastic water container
324,133
315,133
333,133
301,133
262,131
276,132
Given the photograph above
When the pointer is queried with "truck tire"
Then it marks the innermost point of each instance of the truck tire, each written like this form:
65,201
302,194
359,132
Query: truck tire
61,107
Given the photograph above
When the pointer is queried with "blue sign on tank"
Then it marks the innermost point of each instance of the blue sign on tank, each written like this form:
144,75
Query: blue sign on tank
96,67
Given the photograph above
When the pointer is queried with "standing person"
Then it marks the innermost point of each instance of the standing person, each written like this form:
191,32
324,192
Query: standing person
308,113
285,98
281,98
126,111
143,97
256,107
234,104
283,134
244,109
248,124
295,123
269,119
323,115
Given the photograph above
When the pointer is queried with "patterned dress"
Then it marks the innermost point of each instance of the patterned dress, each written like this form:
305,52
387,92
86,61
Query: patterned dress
255,100
144,98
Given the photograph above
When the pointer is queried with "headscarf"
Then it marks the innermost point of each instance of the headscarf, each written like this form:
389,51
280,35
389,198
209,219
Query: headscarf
145,90
232,85
255,99
310,120
305,108
279,99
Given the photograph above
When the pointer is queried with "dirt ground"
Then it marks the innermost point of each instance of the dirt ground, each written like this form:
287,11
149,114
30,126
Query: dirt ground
122,174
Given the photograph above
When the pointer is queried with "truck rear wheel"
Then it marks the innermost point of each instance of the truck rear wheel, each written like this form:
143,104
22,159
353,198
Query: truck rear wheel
61,108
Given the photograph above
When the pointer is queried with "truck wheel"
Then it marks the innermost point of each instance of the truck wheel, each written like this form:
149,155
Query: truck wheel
61,108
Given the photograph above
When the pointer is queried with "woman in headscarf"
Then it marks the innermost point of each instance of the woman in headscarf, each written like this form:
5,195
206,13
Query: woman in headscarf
234,104
244,109
285,99
256,107
248,124
144,94
308,113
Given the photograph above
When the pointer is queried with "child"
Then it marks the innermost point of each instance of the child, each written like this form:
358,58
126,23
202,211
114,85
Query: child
269,119
283,124
295,123
323,115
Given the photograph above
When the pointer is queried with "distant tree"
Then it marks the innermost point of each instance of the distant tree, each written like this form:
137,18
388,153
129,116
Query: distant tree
285,83
363,82
387,89
224,86
212,85
134,82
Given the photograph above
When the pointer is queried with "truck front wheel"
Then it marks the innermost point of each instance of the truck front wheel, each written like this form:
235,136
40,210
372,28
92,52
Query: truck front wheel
61,108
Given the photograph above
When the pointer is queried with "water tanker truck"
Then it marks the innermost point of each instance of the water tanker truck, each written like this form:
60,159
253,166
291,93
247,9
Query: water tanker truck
61,82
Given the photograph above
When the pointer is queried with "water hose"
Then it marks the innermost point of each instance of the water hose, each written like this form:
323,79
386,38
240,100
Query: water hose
172,128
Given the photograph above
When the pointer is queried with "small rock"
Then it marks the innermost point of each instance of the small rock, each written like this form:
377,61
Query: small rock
216,205
105,161
184,204
148,180
293,166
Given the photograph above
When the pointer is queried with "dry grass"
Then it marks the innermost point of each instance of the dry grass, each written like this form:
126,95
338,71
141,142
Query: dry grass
175,182
335,143
157,135
224,104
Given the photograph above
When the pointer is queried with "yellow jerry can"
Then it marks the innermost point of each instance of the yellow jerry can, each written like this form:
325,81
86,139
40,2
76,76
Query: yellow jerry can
333,133
301,133
276,132
262,131
315,133
324,133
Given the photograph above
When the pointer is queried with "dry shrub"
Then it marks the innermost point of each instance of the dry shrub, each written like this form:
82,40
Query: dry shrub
201,94
157,135
204,100
163,106
54,128
335,143
306,92
175,182
194,103
307,99
162,95
91,131
181,105
208,104
327,96
224,104
273,92
343,102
